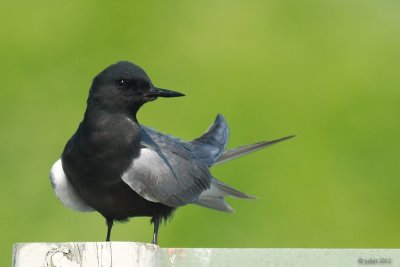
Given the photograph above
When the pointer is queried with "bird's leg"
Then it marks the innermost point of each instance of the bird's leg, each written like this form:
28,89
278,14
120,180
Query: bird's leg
109,226
156,222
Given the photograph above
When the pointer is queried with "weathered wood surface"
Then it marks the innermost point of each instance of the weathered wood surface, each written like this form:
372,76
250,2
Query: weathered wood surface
85,254
126,254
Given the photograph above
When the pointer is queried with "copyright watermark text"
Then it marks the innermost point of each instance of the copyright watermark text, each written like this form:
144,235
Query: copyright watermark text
368,261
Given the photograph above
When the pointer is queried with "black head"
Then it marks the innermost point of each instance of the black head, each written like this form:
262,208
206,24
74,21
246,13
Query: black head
125,86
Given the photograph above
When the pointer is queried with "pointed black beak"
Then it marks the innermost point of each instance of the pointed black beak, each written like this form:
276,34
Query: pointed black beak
159,92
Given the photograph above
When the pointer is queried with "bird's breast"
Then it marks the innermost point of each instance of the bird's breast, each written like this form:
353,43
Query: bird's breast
100,151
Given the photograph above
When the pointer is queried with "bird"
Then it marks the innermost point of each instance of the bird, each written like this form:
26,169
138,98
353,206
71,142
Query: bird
120,168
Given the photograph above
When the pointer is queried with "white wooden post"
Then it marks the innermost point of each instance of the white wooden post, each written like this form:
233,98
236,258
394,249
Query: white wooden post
127,254
88,254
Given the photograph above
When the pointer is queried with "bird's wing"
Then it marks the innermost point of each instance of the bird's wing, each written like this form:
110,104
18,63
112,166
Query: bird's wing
210,146
166,172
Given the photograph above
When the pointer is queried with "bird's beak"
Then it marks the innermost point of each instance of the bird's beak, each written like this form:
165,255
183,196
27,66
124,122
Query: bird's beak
159,92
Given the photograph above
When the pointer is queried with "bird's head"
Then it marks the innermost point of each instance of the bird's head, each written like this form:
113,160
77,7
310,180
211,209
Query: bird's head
125,86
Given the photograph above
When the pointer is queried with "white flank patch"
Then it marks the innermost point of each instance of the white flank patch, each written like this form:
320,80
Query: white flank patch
65,191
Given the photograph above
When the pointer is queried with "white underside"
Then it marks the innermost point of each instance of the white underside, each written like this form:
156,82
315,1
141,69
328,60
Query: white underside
64,190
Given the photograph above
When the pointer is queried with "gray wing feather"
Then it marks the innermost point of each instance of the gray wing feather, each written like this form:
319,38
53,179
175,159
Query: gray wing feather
166,172
210,146
244,150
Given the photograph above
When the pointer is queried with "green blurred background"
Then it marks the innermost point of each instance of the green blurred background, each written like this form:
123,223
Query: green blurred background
327,71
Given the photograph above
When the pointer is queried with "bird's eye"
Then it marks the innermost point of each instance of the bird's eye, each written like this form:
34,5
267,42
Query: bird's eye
121,83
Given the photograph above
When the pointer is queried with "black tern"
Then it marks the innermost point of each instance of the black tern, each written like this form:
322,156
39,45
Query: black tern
122,169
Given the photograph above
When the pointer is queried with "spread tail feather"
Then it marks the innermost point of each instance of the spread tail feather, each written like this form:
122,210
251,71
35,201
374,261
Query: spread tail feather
214,196
244,150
